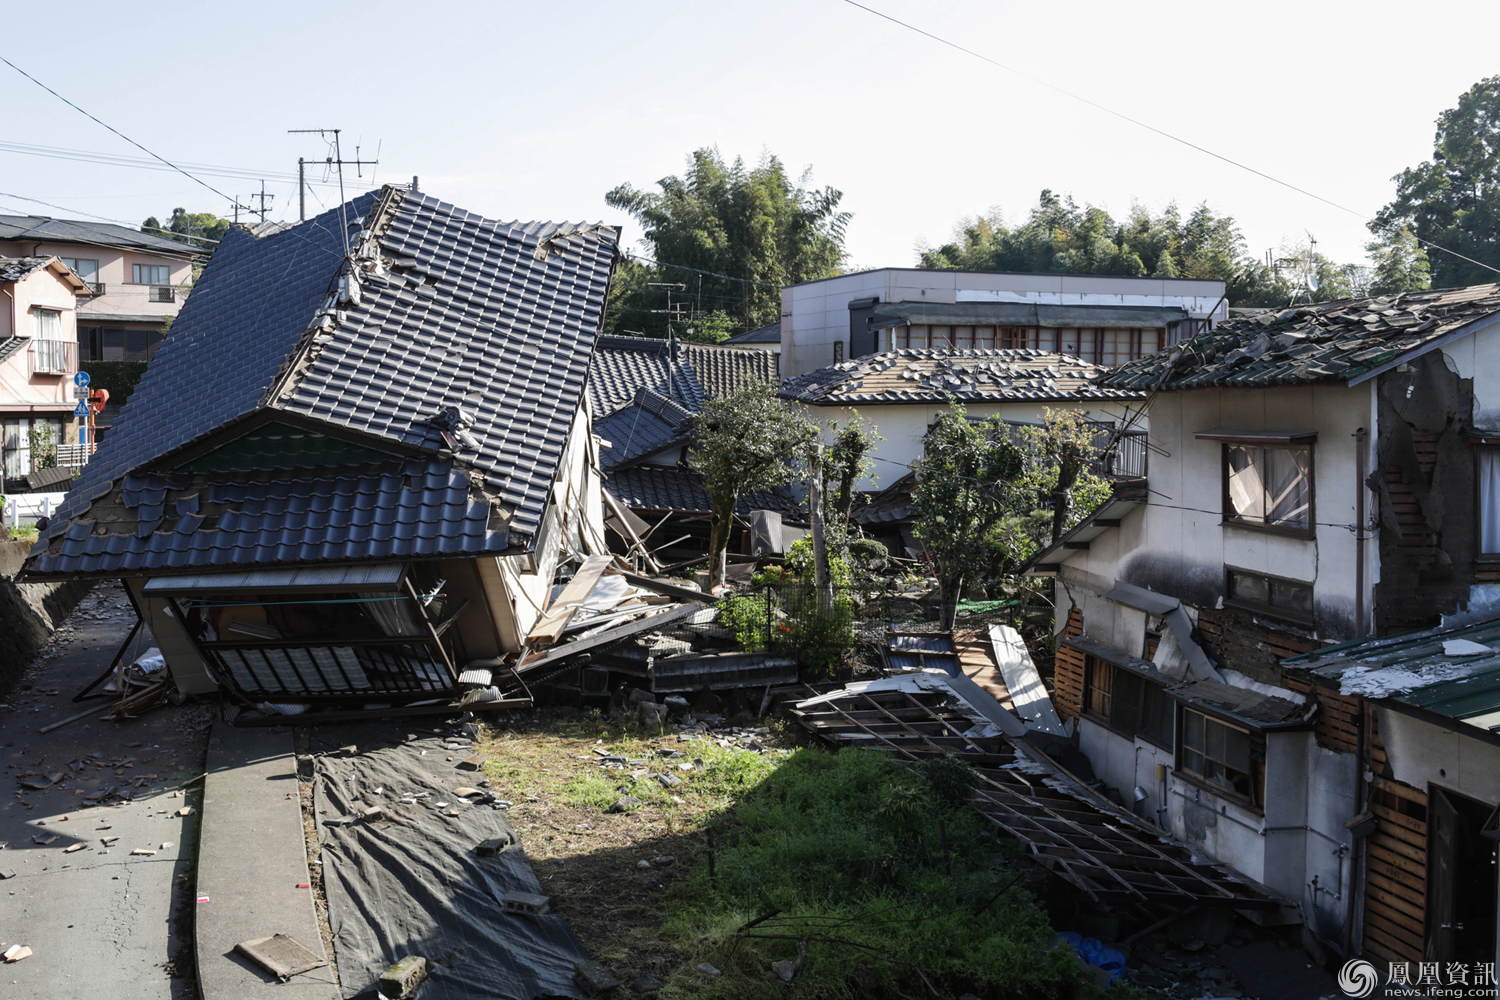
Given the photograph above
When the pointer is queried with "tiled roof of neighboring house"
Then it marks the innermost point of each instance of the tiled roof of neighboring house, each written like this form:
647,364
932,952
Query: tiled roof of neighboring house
11,346
650,424
934,376
768,334
894,503
16,268
689,373
1452,672
1026,314
657,487
448,310
1347,341
403,508
41,229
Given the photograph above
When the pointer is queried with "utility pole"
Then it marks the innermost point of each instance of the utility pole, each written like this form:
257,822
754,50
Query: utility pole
672,312
819,537
263,199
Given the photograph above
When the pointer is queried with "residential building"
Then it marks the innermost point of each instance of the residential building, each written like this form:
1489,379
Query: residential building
762,338
38,356
1319,474
1101,319
136,281
359,487
900,394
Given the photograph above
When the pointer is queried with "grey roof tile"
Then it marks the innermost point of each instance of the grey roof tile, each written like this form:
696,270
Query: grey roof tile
37,228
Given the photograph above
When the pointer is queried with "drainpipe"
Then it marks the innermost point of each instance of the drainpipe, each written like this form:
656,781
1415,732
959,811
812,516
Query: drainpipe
1359,532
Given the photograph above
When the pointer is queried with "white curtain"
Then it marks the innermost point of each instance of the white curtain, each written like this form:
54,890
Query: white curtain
1489,500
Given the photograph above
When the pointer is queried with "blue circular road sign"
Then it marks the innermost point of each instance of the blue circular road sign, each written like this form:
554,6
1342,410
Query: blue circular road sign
81,379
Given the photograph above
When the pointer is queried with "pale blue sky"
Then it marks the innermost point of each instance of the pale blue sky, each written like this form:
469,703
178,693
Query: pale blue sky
536,110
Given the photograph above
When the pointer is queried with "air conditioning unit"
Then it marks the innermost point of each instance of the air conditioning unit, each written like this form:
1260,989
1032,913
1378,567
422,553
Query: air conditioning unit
162,293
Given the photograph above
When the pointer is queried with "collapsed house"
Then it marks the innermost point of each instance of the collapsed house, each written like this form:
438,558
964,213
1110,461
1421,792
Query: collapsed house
1320,474
351,472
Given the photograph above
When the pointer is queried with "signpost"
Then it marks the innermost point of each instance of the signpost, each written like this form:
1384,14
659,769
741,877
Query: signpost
81,390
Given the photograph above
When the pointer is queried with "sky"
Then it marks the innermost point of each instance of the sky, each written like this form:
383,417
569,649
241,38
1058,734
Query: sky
535,111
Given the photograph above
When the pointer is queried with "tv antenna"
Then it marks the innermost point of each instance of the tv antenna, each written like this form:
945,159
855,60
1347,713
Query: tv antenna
334,162
262,197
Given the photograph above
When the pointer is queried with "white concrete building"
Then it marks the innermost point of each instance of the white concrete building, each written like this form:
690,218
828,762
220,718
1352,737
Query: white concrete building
1101,319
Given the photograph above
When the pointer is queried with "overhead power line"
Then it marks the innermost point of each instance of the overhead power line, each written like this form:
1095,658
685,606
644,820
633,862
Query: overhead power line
1041,82
116,131
146,163
710,274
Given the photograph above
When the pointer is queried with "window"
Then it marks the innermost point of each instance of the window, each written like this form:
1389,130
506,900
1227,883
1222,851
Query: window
149,274
1127,702
1012,337
1489,500
20,435
47,324
1220,754
1269,485
1271,594
85,267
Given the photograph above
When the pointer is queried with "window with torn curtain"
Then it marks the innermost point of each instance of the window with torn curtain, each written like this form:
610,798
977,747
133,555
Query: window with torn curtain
1269,486
1222,755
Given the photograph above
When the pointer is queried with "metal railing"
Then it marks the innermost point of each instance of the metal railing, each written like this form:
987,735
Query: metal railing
74,456
353,670
161,293
54,357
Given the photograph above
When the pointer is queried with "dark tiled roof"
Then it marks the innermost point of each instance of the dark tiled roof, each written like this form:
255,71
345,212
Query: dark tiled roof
44,230
16,268
450,310
656,487
934,376
418,507
1316,343
689,373
11,346
897,502
768,334
653,422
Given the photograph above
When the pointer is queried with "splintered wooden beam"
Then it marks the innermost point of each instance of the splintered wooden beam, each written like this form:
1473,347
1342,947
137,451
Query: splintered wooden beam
550,627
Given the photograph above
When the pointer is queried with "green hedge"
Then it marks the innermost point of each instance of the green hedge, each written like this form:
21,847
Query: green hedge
119,377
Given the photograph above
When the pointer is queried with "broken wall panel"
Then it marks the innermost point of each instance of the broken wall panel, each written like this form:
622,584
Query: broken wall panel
1067,672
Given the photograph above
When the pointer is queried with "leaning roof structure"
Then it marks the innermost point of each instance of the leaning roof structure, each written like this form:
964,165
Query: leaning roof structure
411,399
1350,340
971,376
691,374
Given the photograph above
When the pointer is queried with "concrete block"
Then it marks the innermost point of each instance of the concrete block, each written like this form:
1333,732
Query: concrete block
527,903
494,846
474,763
594,978
402,980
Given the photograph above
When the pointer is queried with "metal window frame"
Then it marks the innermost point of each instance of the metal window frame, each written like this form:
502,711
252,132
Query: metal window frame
1234,520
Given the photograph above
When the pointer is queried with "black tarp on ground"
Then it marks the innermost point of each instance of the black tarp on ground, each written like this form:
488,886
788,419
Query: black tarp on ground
411,884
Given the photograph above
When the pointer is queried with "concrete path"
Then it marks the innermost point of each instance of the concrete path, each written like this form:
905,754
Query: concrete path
100,921
252,858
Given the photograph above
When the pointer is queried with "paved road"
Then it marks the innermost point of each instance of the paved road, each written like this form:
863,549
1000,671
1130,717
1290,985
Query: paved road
100,921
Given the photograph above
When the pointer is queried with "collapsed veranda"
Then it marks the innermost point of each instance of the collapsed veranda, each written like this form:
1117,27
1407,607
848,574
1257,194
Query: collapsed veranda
344,483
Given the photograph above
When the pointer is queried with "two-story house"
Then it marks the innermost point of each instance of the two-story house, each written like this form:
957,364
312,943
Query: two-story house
1320,474
136,281
38,330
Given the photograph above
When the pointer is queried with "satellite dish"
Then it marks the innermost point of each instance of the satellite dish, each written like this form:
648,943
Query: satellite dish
1312,281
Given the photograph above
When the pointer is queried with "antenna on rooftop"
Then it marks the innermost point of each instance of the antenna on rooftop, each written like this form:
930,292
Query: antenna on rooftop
263,197
334,162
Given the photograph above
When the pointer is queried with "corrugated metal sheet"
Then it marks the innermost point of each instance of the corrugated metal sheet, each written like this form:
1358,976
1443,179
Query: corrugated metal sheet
381,577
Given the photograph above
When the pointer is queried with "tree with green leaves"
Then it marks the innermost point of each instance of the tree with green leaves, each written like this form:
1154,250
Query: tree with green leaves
966,486
200,229
1453,200
1401,265
754,226
746,441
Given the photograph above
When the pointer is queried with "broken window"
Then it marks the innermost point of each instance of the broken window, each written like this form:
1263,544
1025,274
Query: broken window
1219,754
1127,702
1269,594
1269,485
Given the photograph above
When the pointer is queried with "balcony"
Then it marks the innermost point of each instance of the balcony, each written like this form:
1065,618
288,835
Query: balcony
54,357
95,289
160,293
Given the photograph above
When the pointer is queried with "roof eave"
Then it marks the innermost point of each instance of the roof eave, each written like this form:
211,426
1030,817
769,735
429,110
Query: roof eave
1458,333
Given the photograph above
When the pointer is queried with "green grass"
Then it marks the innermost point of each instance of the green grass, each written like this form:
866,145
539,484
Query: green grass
849,848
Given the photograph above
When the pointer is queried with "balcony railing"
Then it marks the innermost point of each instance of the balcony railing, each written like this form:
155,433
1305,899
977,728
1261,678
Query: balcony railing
54,357
95,288
161,293
73,456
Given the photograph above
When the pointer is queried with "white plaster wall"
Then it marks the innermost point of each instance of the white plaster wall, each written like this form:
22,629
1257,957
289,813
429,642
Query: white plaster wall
1423,754
903,427
1177,544
815,315
1127,764
1477,357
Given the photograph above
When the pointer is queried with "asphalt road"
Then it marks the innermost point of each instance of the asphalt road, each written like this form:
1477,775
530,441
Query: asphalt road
100,920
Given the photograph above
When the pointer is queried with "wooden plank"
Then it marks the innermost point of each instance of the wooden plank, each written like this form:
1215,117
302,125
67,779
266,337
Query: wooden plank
626,517
1397,909
1398,819
1402,848
1396,934
1404,791
567,649
1395,864
1398,887
550,627
662,587
1380,943
1412,838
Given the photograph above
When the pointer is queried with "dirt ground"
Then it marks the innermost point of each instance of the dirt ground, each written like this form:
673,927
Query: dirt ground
564,771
